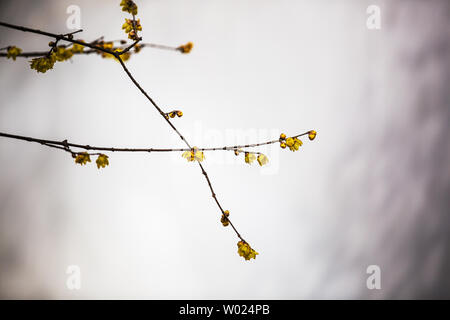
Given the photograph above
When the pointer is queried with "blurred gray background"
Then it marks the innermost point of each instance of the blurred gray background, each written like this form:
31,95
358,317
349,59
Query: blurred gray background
372,189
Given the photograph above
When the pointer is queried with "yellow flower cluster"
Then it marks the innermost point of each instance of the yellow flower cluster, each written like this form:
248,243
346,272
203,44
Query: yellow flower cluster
224,219
102,161
60,53
250,157
245,251
110,46
293,143
43,64
194,155
186,48
77,48
63,54
13,52
128,25
82,158
173,114
129,6
131,27
125,57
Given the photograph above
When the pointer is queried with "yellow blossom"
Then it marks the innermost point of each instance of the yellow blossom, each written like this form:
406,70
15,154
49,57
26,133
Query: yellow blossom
77,48
224,219
129,6
107,46
245,251
82,158
13,52
282,136
128,25
194,155
283,145
297,143
173,114
102,161
138,25
132,35
293,143
186,48
312,134
249,157
289,142
262,159
137,48
131,27
124,56
43,64
62,54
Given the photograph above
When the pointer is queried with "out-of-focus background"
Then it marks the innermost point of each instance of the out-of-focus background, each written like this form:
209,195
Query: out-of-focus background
372,189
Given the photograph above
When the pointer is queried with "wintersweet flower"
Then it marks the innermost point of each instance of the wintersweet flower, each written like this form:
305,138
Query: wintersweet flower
77,48
245,251
63,54
13,52
262,159
186,48
224,218
293,143
194,155
43,64
82,158
129,6
102,161
249,157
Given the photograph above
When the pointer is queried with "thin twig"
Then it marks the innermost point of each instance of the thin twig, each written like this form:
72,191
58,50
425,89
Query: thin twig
125,48
130,46
158,46
65,143
56,36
